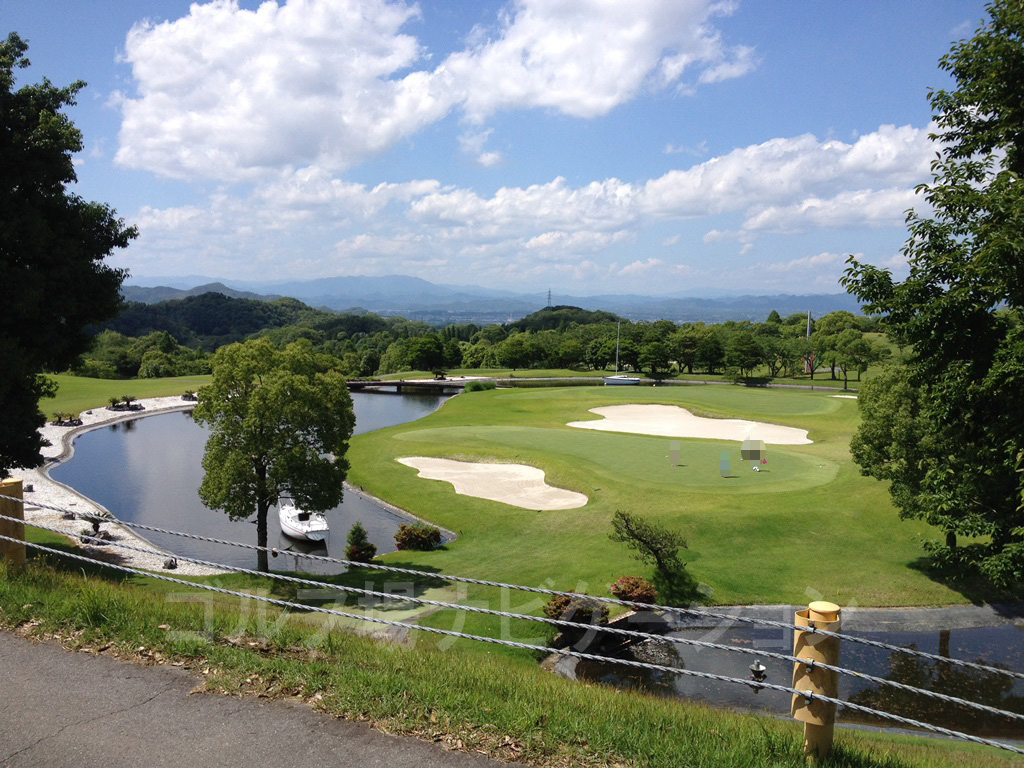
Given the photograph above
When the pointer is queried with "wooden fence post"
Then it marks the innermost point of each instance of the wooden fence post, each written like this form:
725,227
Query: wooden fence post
817,716
12,552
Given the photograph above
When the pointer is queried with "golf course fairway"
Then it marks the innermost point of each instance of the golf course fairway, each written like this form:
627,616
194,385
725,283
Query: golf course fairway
807,523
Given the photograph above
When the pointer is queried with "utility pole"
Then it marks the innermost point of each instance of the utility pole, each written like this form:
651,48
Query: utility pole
549,297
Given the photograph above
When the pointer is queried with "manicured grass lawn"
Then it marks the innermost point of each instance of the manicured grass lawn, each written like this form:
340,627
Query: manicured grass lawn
76,393
809,524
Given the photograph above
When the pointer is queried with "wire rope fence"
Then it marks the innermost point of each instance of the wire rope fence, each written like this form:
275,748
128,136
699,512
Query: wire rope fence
87,538
670,609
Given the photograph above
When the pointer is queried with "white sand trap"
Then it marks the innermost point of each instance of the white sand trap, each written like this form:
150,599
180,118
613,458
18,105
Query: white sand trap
847,397
515,484
673,421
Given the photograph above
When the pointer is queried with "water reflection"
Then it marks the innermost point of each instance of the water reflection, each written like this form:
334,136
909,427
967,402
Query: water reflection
1000,647
147,470
989,688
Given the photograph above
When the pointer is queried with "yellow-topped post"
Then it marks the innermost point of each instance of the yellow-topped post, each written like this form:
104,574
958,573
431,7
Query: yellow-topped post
13,552
817,716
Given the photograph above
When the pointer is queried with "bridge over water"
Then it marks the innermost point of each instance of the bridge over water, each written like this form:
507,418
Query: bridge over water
437,386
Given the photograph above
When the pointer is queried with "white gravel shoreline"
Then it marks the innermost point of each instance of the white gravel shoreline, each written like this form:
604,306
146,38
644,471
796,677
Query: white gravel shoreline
48,491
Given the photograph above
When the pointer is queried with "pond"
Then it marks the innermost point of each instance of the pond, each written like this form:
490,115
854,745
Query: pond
148,470
1001,646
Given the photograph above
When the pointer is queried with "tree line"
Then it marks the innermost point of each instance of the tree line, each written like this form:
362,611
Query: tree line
176,338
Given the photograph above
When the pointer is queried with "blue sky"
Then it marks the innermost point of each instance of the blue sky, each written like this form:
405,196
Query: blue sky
691,147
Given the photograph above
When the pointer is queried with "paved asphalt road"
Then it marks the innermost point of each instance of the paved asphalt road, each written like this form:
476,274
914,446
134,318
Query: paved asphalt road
77,710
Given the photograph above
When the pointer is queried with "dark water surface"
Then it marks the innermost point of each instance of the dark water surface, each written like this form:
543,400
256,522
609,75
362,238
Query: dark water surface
992,646
148,470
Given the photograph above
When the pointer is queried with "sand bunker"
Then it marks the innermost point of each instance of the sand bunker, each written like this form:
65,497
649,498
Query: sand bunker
515,484
673,421
848,397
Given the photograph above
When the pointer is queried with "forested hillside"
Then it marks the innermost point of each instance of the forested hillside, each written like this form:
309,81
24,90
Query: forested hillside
174,338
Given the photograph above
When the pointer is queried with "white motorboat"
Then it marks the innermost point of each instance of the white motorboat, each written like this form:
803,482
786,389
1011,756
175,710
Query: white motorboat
299,524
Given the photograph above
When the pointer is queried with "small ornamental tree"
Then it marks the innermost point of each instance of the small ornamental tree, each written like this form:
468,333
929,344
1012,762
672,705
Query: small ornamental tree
360,549
658,546
651,543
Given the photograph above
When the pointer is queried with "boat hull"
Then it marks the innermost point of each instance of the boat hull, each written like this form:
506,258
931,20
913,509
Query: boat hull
618,381
312,528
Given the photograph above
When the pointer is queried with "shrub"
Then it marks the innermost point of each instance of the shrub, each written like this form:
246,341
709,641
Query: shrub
634,589
418,536
360,549
581,609
479,386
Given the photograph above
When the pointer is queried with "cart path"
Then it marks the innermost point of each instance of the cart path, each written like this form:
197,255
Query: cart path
59,708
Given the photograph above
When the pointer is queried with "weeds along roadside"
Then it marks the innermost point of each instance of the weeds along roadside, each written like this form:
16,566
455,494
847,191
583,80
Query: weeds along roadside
467,699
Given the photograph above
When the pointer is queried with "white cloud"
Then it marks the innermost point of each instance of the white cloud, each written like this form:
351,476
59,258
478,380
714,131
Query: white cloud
585,57
488,159
640,267
226,92
698,150
574,242
785,170
539,208
816,261
854,208
313,188
472,143
730,64
230,93
797,184
786,184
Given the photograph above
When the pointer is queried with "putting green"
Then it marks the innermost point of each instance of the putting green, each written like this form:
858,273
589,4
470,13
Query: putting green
639,459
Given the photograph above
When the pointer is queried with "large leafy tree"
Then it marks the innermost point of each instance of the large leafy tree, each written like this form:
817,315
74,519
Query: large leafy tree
280,424
948,433
52,246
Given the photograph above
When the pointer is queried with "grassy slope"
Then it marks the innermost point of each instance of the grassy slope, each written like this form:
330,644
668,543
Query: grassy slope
810,522
505,708
77,394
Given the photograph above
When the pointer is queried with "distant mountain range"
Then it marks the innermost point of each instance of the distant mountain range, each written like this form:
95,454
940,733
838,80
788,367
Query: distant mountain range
420,299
